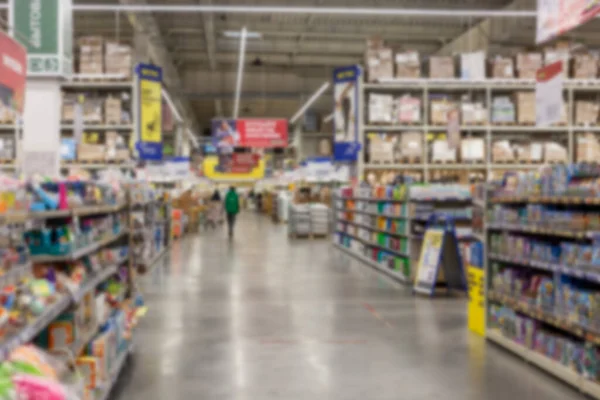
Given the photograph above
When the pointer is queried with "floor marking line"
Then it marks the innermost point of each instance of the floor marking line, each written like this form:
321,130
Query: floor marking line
374,312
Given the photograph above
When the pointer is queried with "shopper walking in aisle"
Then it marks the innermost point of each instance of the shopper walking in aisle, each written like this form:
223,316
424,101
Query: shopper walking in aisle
232,208
215,210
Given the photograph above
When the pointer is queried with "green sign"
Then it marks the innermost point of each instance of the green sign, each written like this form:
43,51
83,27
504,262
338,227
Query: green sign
44,28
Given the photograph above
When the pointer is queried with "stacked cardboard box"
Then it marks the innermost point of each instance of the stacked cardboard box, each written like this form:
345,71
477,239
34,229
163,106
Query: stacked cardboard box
585,66
7,115
555,152
529,153
408,109
68,108
441,68
503,68
586,112
472,150
528,64
525,108
118,59
379,60
381,108
503,110
439,109
411,147
473,113
91,152
112,110
408,65
441,152
92,110
381,148
116,147
91,55
502,152
588,148
7,149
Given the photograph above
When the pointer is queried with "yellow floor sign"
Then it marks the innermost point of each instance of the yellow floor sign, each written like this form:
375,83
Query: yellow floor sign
476,310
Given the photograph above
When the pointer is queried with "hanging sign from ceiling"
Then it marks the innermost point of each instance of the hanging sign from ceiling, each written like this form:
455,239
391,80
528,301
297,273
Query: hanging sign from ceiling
150,111
555,17
346,116
13,73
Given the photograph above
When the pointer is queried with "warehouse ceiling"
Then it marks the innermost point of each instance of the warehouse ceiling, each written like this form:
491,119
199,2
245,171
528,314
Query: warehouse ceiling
297,52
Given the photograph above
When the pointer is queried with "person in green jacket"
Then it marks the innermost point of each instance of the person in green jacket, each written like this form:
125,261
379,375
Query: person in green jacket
232,208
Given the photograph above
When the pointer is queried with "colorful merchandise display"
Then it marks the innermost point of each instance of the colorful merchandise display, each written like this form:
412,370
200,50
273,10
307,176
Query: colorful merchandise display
543,270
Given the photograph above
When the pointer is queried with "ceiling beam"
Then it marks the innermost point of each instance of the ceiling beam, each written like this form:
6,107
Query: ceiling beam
209,40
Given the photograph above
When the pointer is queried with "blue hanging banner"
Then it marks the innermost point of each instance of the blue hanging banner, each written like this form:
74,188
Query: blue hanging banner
149,81
346,113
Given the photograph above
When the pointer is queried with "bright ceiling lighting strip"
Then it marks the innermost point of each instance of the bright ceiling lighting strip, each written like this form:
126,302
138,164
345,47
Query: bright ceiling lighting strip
169,101
328,118
310,101
394,12
238,34
192,138
240,74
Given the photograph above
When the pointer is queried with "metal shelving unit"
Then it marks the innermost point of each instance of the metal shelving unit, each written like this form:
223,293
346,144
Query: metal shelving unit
486,88
553,318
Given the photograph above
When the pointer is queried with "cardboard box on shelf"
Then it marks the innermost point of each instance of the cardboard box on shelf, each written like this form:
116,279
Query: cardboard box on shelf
90,152
118,59
68,110
503,110
586,112
525,108
502,152
381,108
473,113
472,66
439,109
411,145
381,148
528,64
441,67
588,148
112,110
472,150
91,55
585,66
555,152
379,60
7,149
503,68
408,109
92,110
441,152
408,65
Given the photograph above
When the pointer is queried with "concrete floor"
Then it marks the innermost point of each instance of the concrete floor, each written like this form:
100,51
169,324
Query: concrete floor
265,318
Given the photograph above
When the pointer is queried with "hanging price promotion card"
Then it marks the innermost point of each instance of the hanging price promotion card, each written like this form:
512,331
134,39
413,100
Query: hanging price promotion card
549,94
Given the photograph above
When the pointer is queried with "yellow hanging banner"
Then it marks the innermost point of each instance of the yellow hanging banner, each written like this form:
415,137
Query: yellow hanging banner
150,112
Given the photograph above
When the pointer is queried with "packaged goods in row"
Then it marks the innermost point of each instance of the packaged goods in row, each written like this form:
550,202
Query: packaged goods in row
109,110
97,57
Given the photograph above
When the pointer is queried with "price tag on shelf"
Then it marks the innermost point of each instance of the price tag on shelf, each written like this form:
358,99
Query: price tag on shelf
549,94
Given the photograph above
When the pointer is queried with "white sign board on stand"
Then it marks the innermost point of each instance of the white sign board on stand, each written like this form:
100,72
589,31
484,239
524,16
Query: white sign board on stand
549,94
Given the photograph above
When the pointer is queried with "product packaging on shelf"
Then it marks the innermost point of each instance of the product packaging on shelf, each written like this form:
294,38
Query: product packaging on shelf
112,110
90,152
472,66
473,113
93,110
408,109
381,108
381,148
379,60
411,146
408,65
525,108
502,68
555,152
441,67
503,110
472,150
502,151
553,55
441,152
439,109
91,55
586,112
118,59
528,65
585,66
588,148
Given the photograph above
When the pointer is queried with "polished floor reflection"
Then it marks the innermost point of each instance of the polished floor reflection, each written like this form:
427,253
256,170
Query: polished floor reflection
263,317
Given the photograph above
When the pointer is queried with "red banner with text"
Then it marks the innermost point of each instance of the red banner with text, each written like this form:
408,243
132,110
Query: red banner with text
13,73
262,133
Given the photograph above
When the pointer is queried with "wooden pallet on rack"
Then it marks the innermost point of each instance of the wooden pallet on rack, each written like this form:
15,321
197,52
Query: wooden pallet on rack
410,160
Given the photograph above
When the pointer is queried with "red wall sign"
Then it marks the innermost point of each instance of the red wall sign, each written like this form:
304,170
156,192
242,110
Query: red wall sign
243,163
262,133
13,72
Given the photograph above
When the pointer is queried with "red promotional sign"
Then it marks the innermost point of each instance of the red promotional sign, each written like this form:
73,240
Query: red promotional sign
243,163
262,133
13,73
555,17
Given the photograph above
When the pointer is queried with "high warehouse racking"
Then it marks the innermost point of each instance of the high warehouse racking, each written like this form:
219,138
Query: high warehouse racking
427,89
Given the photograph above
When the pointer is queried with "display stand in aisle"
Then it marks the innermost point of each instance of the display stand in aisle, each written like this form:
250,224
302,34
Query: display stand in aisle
68,284
543,271
440,249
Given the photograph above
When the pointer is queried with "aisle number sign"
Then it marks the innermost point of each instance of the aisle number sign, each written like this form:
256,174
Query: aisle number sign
429,261
150,111
476,307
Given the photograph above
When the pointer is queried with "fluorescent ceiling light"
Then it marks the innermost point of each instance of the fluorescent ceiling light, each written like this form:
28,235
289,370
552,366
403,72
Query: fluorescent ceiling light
238,35
328,118
240,74
314,98
167,97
